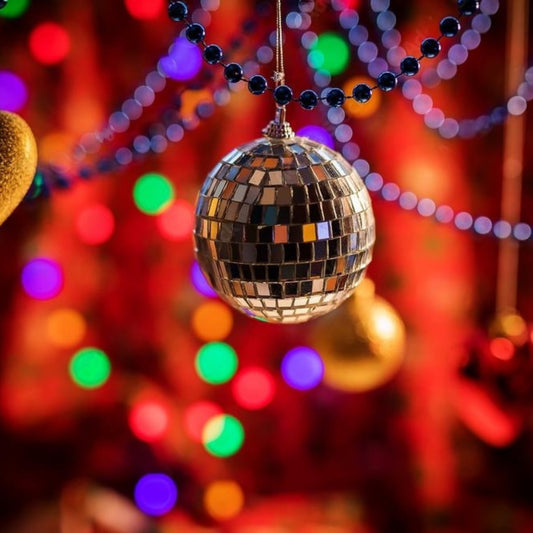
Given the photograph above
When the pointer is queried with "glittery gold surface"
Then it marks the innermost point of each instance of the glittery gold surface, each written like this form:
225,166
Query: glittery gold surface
284,229
18,161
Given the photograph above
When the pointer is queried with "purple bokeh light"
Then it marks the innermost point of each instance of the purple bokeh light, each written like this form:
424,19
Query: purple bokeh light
318,134
302,368
13,92
155,494
183,62
42,279
200,282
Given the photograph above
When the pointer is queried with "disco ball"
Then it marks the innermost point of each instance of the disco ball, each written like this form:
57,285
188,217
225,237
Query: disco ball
284,228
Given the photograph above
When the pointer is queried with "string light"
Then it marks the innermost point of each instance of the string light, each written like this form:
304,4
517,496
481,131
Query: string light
90,368
216,362
156,494
42,278
223,436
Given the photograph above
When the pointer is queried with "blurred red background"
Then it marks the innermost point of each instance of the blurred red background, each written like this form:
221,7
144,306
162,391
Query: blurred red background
442,443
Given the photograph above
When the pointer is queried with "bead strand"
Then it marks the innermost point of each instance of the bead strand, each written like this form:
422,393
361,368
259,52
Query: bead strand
335,97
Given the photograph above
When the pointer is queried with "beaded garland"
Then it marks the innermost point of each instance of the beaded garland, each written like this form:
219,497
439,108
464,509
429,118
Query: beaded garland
335,97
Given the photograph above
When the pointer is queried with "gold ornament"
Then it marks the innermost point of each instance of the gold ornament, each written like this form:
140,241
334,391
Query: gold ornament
18,161
362,344
284,227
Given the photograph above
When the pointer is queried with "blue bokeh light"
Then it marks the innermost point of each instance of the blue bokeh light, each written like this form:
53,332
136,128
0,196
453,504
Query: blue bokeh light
42,278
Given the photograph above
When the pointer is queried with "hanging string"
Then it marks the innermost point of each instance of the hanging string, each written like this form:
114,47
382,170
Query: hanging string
279,73
513,157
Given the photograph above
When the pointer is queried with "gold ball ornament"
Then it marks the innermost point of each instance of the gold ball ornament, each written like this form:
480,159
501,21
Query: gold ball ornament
284,227
362,344
18,161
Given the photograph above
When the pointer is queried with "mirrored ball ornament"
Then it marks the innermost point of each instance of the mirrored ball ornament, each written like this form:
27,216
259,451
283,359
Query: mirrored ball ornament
284,228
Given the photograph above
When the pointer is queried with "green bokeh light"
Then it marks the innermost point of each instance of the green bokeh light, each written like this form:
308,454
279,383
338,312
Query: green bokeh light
14,8
216,362
223,436
152,193
90,368
329,53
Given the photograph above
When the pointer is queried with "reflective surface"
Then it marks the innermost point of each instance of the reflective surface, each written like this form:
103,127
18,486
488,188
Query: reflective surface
284,229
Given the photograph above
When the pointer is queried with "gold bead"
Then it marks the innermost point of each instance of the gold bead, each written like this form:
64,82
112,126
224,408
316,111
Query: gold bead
18,161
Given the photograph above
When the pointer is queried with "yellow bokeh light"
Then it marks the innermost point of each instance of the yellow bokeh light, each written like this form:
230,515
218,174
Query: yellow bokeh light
65,328
212,321
354,108
223,499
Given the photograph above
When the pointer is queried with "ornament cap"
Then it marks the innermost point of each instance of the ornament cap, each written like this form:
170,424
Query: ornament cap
278,130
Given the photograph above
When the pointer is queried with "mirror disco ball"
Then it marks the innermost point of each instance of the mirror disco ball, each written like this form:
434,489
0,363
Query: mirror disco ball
284,229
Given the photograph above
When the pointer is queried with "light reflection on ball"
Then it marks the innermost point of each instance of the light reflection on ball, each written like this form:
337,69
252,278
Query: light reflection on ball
284,229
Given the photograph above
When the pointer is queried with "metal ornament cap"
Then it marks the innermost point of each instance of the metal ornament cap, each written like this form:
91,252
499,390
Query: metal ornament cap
284,228
18,161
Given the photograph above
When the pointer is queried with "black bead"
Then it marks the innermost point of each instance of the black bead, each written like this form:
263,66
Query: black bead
387,81
410,66
3,3
468,7
257,84
449,26
335,97
308,99
283,94
177,11
430,47
213,54
233,72
195,32
362,93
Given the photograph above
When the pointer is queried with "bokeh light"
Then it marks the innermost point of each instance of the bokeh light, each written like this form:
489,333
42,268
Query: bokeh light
223,436
212,321
330,53
177,222
90,368
144,9
149,420
42,278
200,282
65,328
153,193
15,8
196,416
183,62
95,224
216,362
223,499
355,109
155,494
318,134
253,388
49,43
502,348
13,91
302,368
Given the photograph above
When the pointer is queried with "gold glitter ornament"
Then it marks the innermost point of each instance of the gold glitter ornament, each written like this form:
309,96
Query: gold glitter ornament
18,161
284,227
362,344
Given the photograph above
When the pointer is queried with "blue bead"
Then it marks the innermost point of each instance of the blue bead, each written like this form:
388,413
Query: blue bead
449,26
362,93
308,99
468,7
410,66
233,72
335,97
257,84
213,54
387,81
177,11
430,47
195,33
283,94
